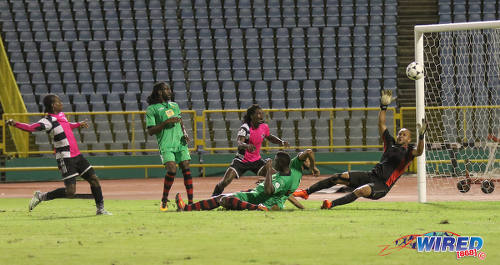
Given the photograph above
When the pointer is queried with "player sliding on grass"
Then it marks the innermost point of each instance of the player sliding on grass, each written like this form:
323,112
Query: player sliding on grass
250,137
69,160
163,119
376,183
271,194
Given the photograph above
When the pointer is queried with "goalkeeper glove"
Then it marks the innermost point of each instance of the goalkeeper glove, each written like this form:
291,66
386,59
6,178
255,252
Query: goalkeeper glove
422,128
385,99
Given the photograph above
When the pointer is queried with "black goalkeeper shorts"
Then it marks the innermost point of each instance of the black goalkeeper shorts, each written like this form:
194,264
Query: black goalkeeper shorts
358,179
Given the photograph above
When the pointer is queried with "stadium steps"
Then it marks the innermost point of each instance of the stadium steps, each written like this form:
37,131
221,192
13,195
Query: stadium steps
411,13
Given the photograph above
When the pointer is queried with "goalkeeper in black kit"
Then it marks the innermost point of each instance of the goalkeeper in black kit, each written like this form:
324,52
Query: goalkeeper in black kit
375,184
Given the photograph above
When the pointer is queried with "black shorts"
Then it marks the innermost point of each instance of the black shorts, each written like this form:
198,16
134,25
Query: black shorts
73,167
358,179
241,167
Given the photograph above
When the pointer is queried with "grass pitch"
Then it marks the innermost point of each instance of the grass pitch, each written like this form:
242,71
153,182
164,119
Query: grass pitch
68,232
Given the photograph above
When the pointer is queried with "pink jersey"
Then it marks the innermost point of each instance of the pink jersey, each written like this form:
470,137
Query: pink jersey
254,136
61,130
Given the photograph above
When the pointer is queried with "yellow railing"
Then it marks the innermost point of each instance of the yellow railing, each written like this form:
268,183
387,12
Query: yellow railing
331,112
131,125
146,167
133,118
11,100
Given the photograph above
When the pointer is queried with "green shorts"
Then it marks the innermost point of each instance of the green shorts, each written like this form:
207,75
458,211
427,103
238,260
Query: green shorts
177,157
254,197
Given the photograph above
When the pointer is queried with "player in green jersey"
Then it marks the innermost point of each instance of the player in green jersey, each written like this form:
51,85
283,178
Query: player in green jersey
163,119
271,194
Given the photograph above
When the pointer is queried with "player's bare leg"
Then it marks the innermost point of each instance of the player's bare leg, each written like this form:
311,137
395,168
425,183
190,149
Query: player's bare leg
167,183
342,178
226,180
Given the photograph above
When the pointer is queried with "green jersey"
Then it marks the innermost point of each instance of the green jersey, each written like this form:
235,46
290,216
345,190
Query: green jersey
171,137
284,186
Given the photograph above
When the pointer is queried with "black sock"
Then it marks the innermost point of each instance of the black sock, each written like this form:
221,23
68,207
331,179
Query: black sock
217,190
55,194
323,184
345,199
83,196
97,192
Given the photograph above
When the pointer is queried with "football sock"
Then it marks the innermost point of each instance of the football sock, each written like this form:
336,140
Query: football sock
188,182
345,199
323,184
167,184
57,193
97,192
208,204
217,190
237,204
83,196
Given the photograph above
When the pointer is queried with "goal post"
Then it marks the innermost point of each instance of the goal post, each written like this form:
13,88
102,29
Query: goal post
460,99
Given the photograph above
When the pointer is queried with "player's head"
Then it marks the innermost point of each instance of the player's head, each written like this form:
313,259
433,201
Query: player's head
161,93
52,104
307,164
281,161
404,136
254,115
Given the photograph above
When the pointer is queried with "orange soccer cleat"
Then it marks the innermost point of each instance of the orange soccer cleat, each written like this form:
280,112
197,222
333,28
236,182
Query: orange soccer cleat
180,203
261,207
301,193
326,204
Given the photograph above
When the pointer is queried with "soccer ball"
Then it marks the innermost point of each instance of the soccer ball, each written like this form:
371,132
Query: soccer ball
414,71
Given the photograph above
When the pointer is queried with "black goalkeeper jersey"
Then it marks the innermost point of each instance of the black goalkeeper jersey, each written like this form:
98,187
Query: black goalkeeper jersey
395,159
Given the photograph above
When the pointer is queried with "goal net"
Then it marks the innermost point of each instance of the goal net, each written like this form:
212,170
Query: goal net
460,99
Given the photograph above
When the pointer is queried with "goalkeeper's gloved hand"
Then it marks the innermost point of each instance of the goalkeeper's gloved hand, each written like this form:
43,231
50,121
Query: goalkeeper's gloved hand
385,99
422,128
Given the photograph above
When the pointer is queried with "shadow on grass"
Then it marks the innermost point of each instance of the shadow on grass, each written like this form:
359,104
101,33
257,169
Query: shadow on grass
65,217
468,207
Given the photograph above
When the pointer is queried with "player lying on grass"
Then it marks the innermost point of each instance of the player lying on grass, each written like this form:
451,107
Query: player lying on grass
69,160
271,194
163,119
251,134
376,183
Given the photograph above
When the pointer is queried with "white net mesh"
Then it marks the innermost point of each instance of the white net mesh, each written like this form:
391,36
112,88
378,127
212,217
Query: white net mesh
462,99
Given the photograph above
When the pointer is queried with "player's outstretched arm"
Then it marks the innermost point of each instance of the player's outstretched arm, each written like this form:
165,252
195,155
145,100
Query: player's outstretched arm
268,185
385,100
276,140
25,126
83,124
295,202
421,128
308,153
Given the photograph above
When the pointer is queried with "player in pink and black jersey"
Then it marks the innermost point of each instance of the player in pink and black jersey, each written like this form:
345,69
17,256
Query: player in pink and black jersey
70,161
250,137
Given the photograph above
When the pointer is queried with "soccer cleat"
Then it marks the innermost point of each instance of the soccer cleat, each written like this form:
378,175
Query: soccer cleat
326,204
102,211
163,206
35,200
180,203
301,193
261,207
